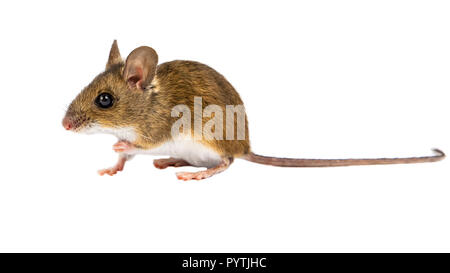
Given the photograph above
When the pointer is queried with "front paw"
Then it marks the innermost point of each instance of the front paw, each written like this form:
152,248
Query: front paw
109,171
123,146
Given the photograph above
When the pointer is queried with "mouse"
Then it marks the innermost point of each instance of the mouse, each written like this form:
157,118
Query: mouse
183,110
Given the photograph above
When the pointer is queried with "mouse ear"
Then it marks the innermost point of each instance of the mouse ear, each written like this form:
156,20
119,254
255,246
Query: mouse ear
114,55
140,67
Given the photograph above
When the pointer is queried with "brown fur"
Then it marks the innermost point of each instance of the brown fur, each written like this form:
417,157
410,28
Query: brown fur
149,112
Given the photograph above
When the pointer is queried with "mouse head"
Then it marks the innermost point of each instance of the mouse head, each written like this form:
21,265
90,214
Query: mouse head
116,97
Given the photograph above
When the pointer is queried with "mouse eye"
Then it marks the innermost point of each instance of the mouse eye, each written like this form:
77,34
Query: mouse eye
104,100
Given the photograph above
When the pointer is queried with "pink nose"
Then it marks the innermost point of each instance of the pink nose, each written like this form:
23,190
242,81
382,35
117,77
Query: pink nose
67,123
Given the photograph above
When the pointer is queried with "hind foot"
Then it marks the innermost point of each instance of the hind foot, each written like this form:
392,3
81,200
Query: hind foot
169,162
226,162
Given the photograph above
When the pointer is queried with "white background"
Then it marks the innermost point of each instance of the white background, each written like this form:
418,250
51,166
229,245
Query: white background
320,79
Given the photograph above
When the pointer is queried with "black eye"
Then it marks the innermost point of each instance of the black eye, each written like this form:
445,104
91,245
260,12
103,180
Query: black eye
104,100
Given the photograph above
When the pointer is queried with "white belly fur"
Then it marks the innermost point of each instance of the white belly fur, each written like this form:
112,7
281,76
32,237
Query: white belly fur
189,150
184,148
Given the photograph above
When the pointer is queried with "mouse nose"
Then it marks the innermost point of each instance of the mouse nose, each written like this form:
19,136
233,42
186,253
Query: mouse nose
67,123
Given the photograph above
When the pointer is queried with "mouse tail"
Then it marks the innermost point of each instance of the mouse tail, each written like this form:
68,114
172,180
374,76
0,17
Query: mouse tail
301,162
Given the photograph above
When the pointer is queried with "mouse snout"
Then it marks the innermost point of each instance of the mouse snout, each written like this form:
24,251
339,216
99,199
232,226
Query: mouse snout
67,123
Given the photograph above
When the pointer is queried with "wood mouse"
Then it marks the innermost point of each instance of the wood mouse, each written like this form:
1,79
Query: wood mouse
136,100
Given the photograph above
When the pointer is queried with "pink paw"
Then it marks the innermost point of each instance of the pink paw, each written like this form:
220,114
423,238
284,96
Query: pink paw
123,146
110,171
116,168
192,176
